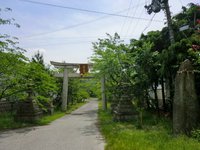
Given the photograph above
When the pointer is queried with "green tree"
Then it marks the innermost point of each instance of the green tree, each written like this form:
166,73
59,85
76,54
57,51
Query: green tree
111,59
11,62
45,85
38,58
17,72
11,74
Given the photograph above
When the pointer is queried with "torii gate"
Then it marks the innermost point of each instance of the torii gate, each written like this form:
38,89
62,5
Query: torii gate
84,68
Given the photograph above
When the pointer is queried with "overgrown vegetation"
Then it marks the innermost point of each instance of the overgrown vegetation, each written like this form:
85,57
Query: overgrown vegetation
155,134
143,66
149,63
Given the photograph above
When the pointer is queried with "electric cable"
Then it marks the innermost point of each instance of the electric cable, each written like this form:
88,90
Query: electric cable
73,26
85,10
135,27
126,15
62,43
149,23
132,19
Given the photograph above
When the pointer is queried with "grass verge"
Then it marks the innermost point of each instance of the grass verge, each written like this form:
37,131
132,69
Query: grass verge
155,135
7,119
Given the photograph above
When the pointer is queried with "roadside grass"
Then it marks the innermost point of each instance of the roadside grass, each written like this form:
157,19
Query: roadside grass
155,134
7,120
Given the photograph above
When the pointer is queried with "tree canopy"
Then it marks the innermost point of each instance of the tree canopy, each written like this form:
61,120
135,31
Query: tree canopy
151,61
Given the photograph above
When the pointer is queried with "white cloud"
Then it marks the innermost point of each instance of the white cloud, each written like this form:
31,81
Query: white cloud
35,50
30,52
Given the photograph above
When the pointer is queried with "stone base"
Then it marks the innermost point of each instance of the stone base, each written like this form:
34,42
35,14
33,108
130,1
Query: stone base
125,110
28,111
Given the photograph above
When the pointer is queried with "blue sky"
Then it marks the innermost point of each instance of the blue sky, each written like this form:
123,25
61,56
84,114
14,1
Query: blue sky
57,33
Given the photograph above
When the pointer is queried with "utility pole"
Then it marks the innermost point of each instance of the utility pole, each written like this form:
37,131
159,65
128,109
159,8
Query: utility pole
169,83
169,21
156,6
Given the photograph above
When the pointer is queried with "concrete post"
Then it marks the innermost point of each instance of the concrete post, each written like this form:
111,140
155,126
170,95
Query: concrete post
104,102
65,90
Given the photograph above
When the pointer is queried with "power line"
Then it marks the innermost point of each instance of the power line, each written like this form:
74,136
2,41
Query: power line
74,38
67,27
134,28
86,10
71,37
75,25
132,19
126,15
149,23
62,43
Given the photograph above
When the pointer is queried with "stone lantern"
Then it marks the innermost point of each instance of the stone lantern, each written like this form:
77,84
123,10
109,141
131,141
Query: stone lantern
28,110
124,111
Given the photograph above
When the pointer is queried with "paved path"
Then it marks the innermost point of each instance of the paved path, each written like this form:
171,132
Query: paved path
77,131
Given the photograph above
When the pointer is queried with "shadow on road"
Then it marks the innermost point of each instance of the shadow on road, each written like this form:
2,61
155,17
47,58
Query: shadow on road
5,134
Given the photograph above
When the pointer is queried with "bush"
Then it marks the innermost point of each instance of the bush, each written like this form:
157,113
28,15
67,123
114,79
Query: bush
196,134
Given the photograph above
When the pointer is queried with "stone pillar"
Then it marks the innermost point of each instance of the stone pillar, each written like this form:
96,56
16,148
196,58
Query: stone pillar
65,90
103,94
186,108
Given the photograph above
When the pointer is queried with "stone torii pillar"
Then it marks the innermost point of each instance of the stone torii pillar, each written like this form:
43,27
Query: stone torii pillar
66,75
65,90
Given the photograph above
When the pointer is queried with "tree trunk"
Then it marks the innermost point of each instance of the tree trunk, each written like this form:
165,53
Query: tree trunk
147,99
156,98
103,93
163,94
171,88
